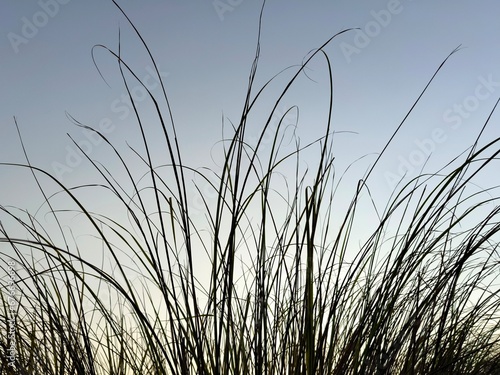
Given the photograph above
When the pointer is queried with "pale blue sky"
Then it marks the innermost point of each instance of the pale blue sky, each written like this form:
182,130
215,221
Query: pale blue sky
206,55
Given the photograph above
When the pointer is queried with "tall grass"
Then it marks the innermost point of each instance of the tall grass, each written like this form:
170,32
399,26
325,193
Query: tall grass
288,291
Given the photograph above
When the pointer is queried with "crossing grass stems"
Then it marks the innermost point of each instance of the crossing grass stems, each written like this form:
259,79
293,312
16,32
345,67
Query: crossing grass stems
419,296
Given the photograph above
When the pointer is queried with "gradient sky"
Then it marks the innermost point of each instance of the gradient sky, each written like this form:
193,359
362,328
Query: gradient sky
206,48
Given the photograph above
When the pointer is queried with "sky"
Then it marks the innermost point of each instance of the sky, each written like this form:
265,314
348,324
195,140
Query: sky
204,51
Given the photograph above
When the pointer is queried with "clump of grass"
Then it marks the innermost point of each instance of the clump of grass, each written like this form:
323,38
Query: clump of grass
285,294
